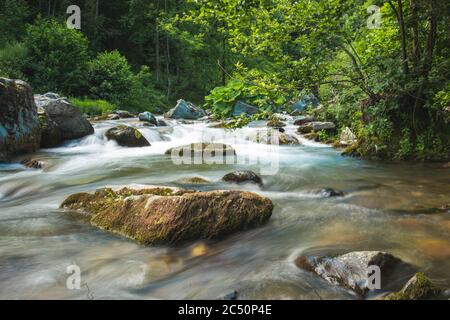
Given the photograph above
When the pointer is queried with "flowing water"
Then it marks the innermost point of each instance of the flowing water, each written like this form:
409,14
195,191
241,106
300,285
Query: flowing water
399,208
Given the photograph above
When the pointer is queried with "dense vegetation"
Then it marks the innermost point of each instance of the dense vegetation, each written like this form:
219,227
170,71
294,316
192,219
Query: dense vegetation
389,84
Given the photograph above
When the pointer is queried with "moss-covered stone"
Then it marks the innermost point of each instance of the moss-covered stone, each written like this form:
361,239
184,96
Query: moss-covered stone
127,136
161,215
418,287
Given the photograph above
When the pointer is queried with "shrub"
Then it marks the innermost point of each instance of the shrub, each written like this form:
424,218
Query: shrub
13,58
92,107
110,78
58,57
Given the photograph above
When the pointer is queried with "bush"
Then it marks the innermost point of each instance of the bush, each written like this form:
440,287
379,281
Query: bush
92,107
58,57
110,78
13,58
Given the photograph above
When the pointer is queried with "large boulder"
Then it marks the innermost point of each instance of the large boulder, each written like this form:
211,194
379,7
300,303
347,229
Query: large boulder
301,120
162,215
246,176
350,270
185,110
69,120
50,132
148,117
316,126
19,123
241,108
126,136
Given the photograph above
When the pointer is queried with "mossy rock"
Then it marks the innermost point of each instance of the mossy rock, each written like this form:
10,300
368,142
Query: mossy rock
127,136
419,287
162,215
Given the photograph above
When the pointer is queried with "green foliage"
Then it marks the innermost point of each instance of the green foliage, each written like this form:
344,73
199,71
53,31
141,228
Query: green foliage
57,56
92,107
13,59
110,78
13,14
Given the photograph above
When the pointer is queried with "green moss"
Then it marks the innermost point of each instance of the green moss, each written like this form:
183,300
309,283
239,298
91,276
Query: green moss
420,288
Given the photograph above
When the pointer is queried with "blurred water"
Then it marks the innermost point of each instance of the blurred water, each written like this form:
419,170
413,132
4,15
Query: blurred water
391,207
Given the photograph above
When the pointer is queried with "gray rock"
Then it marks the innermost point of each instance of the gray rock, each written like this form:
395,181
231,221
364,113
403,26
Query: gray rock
243,177
419,287
185,110
301,120
50,133
241,108
69,120
350,270
123,114
347,137
127,136
316,126
329,192
20,131
148,117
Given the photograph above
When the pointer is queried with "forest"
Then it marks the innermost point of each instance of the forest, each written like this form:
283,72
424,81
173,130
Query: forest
387,80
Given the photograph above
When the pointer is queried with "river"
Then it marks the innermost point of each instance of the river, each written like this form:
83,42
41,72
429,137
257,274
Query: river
394,207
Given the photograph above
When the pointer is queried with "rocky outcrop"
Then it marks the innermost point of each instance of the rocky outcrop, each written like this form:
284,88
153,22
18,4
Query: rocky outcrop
162,215
202,149
419,287
126,136
241,108
185,110
350,270
19,123
148,117
316,126
68,119
246,176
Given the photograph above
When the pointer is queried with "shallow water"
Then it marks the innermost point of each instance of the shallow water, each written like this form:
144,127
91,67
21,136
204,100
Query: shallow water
391,207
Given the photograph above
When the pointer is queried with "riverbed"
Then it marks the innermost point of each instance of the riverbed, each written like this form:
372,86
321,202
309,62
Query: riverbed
401,208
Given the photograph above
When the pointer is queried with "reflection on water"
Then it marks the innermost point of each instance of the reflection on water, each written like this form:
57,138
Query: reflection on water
400,208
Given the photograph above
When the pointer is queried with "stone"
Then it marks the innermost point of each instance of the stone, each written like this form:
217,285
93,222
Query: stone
274,137
205,149
148,117
193,181
241,108
68,119
126,136
350,270
303,120
419,287
316,126
246,176
20,131
347,137
330,192
185,110
170,216
123,114
33,164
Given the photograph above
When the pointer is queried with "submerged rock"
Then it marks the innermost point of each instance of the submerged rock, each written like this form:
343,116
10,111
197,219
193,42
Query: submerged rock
419,287
148,117
350,270
193,180
330,192
202,149
33,164
243,177
185,110
127,136
241,108
20,130
68,119
162,215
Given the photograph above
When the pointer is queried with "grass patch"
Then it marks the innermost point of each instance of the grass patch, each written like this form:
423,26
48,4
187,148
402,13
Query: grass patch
93,107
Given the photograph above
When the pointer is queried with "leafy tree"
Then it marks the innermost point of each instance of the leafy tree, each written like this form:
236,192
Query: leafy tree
57,56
